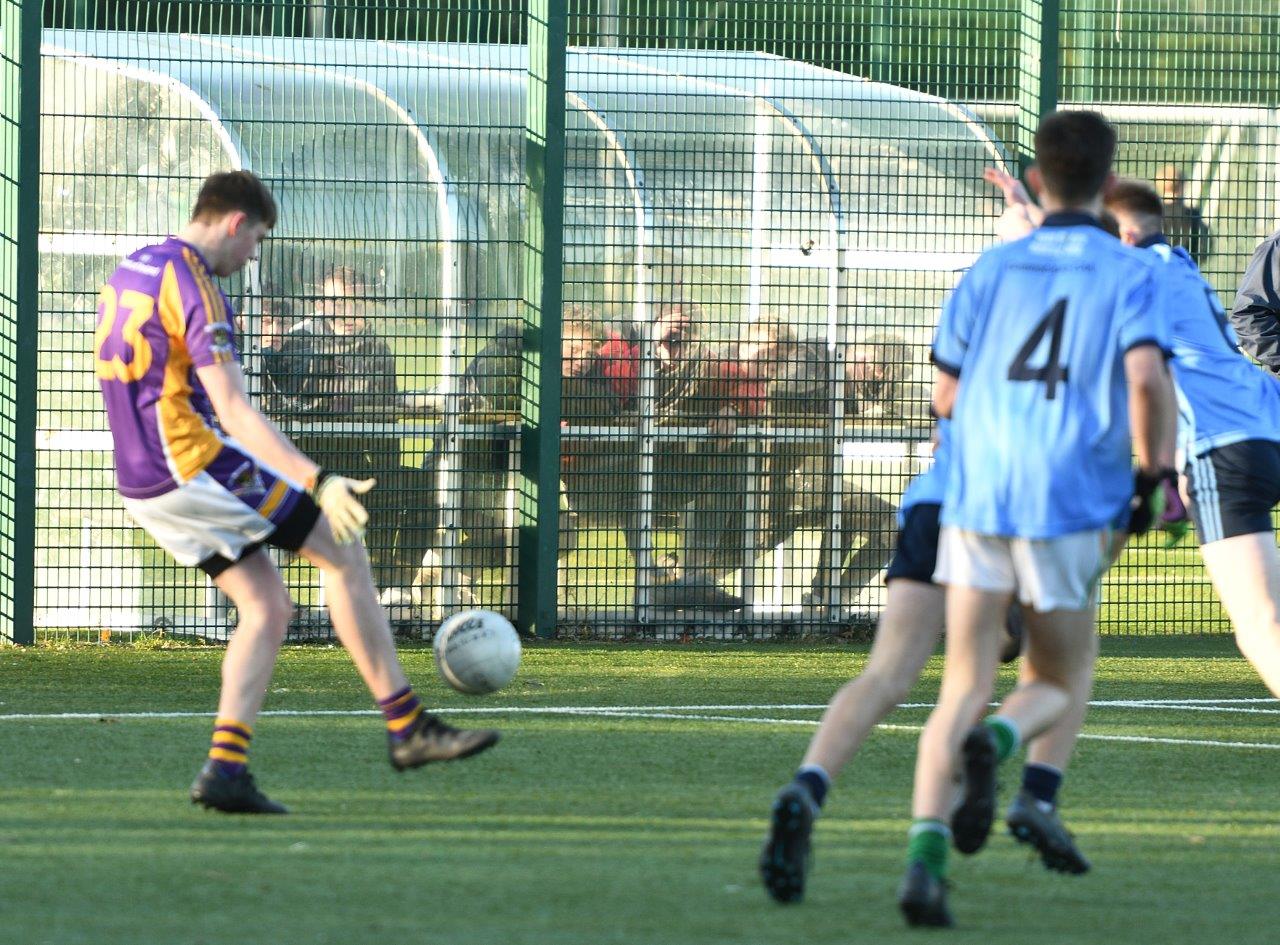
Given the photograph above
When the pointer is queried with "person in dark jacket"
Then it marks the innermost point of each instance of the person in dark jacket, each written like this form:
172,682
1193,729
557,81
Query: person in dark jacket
1256,312
334,372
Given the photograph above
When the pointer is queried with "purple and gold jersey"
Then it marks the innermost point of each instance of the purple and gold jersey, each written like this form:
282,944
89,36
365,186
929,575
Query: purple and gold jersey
160,316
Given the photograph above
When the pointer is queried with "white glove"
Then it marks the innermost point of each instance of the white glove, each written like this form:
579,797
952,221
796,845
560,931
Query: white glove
336,496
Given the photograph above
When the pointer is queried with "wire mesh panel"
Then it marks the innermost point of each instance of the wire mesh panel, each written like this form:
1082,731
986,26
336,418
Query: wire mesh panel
122,156
397,168
762,365
1192,91
764,206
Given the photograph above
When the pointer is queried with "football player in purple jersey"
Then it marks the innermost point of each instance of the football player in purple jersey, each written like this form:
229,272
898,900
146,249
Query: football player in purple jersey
213,481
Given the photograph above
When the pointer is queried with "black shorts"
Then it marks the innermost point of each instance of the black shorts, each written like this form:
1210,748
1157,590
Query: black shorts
916,553
1233,489
291,534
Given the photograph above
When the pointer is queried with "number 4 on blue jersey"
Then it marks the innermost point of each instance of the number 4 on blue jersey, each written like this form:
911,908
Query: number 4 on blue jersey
1036,333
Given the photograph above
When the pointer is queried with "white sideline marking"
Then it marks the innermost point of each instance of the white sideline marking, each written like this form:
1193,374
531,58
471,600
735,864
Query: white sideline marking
1124,702
692,713
893,727
1187,708
1221,705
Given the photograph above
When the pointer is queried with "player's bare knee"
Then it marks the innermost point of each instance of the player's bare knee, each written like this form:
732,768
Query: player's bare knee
873,690
271,610
339,560
281,609
891,687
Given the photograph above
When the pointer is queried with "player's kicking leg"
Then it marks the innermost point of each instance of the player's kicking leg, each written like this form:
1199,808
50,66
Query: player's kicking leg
415,737
262,601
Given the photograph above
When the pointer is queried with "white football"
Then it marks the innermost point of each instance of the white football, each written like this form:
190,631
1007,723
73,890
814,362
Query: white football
477,651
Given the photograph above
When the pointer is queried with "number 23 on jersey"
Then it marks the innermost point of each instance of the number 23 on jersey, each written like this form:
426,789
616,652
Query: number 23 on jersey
111,346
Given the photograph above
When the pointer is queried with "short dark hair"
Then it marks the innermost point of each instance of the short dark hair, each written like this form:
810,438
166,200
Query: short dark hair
1074,151
1107,220
228,191
1136,198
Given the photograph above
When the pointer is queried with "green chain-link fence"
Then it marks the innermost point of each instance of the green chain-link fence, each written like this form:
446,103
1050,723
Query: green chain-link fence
753,210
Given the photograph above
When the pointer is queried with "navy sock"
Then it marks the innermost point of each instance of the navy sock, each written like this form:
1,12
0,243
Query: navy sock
816,780
1042,782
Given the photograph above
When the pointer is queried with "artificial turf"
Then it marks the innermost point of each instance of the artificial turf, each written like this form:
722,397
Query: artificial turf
593,829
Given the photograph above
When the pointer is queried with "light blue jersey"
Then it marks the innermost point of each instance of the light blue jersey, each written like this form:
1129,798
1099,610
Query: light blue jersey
1223,398
930,486
1036,332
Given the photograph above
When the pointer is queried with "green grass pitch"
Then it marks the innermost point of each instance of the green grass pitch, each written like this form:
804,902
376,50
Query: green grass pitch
579,828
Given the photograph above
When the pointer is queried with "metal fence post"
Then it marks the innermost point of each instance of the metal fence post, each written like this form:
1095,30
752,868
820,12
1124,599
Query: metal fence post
19,275
1038,60
539,493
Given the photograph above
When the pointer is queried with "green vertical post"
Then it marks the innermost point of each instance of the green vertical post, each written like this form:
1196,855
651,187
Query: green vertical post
1038,60
539,498
19,274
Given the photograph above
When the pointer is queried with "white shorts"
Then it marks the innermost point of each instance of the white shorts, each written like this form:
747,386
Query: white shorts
213,524
1052,574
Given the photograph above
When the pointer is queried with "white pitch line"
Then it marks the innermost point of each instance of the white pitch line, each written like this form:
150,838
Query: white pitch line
1233,709
682,713
1152,740
1209,705
1185,701
1141,739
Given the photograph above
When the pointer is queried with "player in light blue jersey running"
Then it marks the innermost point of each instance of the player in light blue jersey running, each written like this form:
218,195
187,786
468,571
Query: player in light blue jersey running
1047,350
1228,437
906,636
907,633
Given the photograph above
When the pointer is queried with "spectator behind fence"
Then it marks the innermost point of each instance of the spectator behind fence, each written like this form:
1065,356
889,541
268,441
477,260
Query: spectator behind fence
1183,223
772,377
878,370
600,385
699,486
599,369
1256,312
330,368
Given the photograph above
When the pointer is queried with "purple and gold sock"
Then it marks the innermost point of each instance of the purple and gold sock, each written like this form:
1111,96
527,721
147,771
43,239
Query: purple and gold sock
230,750
401,709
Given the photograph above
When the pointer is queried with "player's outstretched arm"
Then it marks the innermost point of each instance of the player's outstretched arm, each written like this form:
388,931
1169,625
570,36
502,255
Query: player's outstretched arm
1021,214
336,495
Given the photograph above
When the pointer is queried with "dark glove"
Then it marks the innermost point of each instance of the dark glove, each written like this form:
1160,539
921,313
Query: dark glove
1157,502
